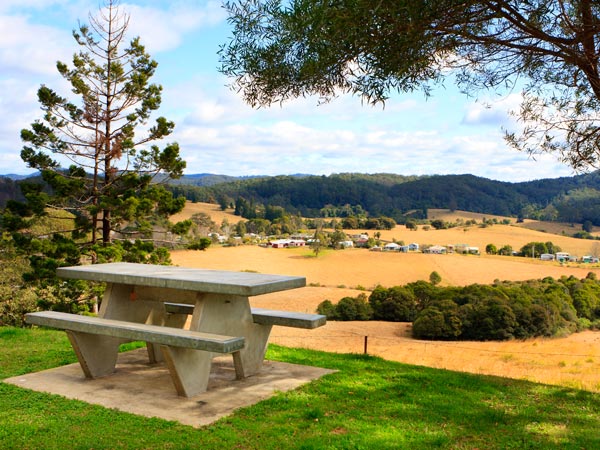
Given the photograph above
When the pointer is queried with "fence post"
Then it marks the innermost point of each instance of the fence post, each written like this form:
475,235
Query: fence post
366,339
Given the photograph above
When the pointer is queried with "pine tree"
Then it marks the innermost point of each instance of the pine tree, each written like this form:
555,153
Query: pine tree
115,168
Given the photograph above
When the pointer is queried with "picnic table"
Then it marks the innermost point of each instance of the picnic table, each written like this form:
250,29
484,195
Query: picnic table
153,304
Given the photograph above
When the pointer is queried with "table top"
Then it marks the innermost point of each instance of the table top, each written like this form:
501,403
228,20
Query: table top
201,280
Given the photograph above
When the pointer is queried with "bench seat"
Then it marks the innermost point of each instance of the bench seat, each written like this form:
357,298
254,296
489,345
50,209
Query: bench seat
265,316
173,337
287,318
187,354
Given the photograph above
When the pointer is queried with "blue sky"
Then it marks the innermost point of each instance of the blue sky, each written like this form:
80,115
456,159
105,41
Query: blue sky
446,134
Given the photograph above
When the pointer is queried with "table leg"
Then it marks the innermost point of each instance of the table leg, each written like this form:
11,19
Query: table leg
232,316
130,303
189,369
97,355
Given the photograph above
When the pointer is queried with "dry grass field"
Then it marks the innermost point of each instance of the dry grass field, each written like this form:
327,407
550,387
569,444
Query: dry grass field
572,361
560,228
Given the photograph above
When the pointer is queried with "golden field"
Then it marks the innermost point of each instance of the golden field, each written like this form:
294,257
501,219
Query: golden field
572,361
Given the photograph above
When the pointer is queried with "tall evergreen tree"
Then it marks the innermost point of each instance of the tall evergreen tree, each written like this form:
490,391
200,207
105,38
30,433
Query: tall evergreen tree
104,136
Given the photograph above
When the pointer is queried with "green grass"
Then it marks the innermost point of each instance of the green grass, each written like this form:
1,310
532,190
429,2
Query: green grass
369,403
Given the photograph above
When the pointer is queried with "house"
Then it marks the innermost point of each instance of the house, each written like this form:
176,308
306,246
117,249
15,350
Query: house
547,257
285,243
437,249
413,247
562,256
392,246
461,248
346,244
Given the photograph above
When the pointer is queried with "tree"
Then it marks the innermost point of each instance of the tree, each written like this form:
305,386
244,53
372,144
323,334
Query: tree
438,224
534,249
435,278
491,249
319,240
396,304
548,49
337,237
411,225
113,169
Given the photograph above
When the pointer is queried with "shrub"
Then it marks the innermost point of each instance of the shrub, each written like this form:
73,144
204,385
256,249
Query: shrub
354,308
396,304
348,308
327,309
439,321
435,278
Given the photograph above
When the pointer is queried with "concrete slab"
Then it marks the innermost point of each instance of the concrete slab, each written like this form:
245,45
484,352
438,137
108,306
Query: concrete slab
146,389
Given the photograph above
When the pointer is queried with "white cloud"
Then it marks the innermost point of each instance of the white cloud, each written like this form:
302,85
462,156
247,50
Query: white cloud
164,29
26,48
494,112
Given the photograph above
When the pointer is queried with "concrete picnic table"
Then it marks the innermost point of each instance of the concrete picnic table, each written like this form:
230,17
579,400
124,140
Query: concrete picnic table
219,301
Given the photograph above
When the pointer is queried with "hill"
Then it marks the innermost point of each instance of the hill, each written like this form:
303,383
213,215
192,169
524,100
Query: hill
568,199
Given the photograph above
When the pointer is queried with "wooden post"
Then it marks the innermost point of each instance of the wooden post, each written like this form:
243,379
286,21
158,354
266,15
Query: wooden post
366,339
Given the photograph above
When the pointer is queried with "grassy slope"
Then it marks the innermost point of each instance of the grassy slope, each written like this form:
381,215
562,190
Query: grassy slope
369,403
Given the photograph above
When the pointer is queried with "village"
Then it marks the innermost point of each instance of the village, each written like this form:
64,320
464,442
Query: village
361,241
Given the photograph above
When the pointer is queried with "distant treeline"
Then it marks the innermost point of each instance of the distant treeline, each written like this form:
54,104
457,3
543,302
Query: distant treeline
501,311
569,199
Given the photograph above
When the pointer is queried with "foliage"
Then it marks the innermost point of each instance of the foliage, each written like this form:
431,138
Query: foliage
502,311
547,49
395,304
199,244
357,197
111,183
348,308
491,249
435,278
112,188
535,249
440,321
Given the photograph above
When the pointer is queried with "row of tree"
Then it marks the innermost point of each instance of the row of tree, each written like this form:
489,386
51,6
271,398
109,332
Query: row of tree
569,199
501,311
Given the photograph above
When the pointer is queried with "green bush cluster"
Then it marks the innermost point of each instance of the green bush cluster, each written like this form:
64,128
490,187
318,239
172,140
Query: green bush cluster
501,311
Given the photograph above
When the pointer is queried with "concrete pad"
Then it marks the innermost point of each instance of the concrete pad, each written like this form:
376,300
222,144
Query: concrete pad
146,389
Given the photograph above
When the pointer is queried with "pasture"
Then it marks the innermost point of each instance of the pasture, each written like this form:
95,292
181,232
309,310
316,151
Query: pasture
571,361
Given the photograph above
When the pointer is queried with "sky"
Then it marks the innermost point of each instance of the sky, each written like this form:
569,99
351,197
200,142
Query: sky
218,133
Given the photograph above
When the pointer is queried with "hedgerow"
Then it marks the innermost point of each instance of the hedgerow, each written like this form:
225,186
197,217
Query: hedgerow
500,311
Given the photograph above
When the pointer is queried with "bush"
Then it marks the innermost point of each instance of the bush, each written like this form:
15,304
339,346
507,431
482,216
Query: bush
14,305
435,278
396,304
327,309
348,308
354,308
199,244
439,321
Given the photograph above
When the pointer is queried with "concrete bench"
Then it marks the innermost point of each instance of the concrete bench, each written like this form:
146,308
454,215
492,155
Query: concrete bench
264,316
96,342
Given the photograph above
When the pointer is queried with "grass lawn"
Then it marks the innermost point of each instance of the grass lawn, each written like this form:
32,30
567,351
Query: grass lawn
369,404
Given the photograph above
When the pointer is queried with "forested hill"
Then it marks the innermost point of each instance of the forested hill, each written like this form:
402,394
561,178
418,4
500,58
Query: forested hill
571,199
567,199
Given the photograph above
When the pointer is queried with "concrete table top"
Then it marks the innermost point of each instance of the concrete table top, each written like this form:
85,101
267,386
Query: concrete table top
171,277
